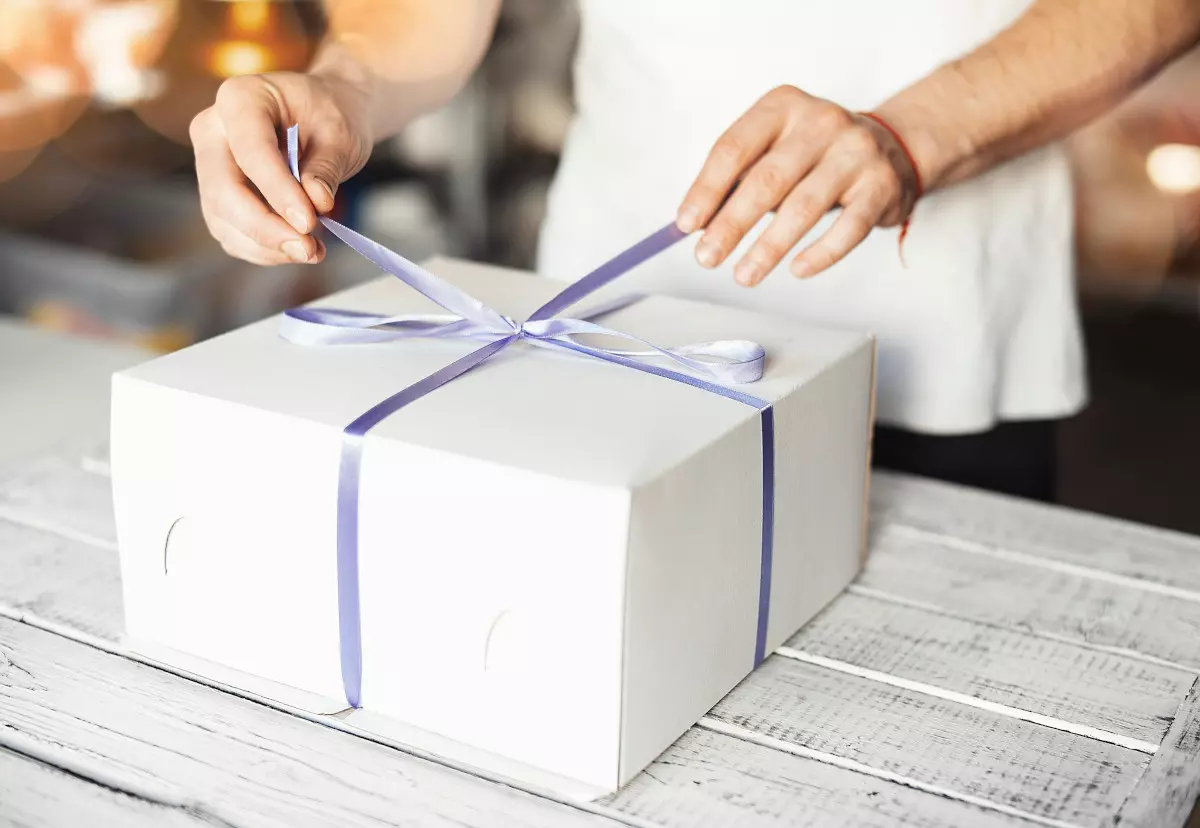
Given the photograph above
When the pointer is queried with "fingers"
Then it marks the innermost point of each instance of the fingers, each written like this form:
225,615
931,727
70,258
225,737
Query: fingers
241,209
250,113
859,217
241,246
331,155
735,151
799,213
767,184
230,207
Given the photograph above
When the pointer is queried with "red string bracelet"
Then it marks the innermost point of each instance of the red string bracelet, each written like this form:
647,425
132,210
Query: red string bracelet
912,162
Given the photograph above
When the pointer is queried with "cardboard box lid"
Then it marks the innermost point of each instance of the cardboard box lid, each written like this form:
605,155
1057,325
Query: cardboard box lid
563,415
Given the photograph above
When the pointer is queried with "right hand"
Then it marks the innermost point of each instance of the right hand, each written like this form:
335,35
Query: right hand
251,203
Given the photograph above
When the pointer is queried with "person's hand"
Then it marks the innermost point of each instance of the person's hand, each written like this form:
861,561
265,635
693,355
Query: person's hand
251,203
801,157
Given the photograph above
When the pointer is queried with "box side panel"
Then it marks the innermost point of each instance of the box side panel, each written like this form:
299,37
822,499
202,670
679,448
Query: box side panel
492,606
692,590
695,547
822,456
225,523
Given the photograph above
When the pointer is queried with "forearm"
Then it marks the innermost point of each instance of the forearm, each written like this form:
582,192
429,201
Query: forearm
1061,64
399,59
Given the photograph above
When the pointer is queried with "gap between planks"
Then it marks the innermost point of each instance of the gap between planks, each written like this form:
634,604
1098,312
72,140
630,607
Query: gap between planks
934,609
736,732
102,469
961,698
30,750
1013,556
708,723
331,722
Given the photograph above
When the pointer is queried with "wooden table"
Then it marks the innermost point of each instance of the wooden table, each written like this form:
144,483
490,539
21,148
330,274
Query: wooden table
997,664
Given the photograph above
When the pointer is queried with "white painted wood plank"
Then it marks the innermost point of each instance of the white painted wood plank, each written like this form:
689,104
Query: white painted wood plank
1024,596
60,580
55,492
1170,789
61,604
145,730
940,744
1052,532
34,795
1118,694
70,583
711,780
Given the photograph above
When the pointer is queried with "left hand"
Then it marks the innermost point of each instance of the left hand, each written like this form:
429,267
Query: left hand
801,157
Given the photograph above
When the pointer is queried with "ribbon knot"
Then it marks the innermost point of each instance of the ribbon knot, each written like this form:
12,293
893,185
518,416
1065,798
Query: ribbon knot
708,364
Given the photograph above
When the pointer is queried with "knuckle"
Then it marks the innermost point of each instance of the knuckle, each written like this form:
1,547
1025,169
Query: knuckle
232,90
772,178
223,205
200,126
768,251
257,233
806,209
885,176
785,93
728,152
858,140
857,225
702,195
831,118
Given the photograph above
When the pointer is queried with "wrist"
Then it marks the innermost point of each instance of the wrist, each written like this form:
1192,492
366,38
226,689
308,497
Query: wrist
352,85
939,145
902,161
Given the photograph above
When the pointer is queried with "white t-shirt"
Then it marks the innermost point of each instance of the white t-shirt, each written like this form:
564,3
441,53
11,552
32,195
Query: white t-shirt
980,326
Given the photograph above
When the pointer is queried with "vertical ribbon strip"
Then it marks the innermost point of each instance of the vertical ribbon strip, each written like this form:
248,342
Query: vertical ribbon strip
709,364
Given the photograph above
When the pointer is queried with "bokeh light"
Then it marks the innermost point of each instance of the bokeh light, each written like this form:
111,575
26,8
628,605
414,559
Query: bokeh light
1174,168
214,41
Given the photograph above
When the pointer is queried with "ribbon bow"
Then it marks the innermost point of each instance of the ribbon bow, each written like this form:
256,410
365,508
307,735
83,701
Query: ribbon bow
708,364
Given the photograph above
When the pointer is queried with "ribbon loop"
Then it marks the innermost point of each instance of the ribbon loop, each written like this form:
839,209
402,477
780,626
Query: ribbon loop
708,365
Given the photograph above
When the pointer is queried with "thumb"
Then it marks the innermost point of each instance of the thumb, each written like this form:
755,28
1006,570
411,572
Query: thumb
322,169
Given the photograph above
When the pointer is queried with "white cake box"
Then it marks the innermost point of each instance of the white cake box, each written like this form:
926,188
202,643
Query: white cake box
559,557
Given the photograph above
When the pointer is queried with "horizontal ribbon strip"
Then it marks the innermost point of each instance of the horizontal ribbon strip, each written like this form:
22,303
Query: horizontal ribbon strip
708,364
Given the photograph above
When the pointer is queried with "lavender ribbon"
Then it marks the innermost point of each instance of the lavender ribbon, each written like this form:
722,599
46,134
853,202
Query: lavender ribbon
708,364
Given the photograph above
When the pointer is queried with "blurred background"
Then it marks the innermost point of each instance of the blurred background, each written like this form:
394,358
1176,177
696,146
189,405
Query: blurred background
101,234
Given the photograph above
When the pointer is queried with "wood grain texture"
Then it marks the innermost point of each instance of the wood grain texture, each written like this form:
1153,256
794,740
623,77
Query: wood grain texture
35,795
1056,643
165,738
940,744
1113,693
89,589
711,780
1170,788
141,730
1051,532
60,580
1028,597
57,493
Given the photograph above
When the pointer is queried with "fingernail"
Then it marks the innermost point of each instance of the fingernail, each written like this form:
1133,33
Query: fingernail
746,273
328,189
295,251
297,219
802,269
706,253
688,218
